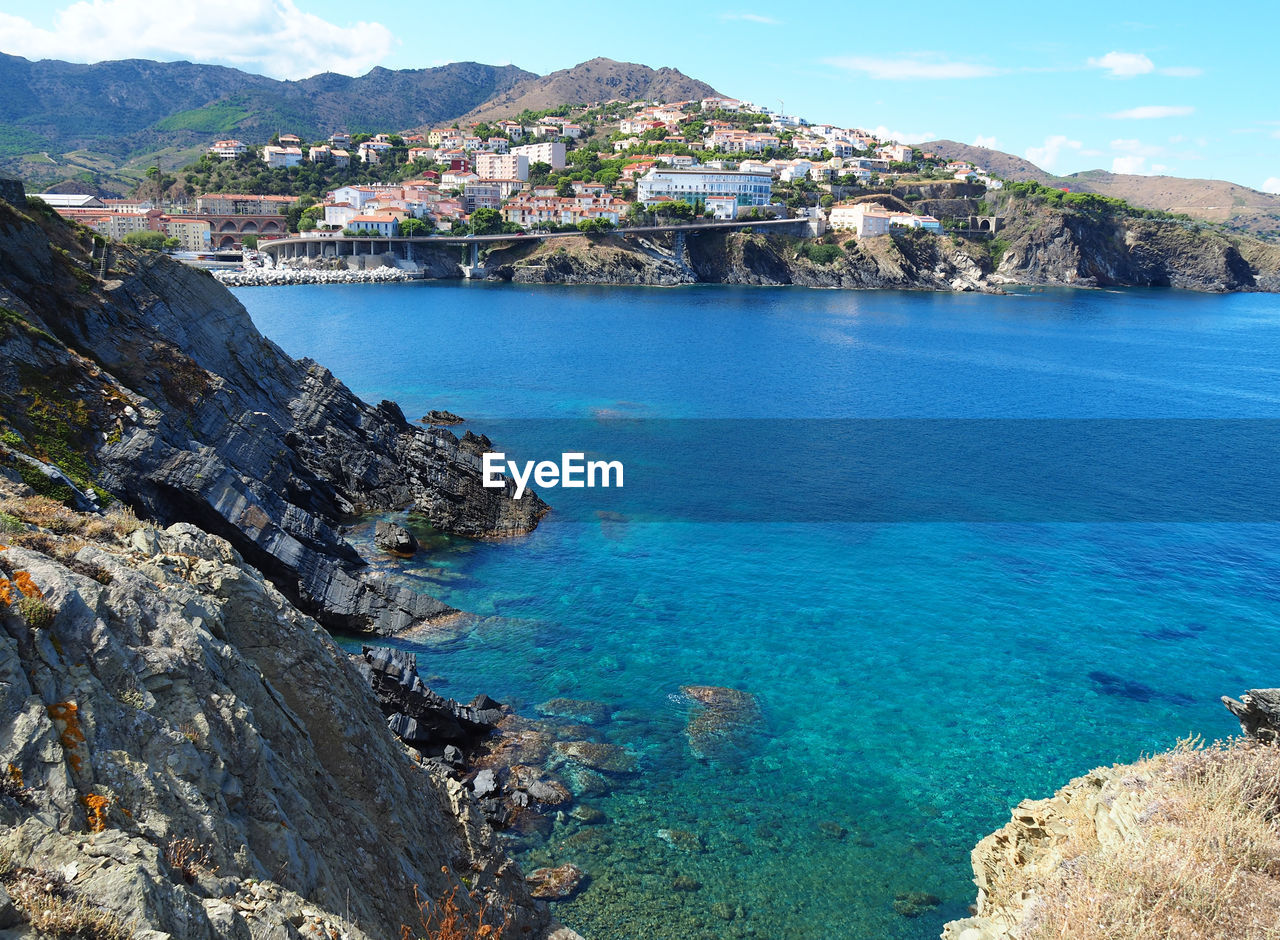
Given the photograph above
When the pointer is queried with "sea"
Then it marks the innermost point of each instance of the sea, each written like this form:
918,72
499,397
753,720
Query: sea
956,549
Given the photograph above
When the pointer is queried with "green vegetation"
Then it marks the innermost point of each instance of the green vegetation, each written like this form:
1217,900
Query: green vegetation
1088,203
148,241
13,318
37,614
819,253
221,117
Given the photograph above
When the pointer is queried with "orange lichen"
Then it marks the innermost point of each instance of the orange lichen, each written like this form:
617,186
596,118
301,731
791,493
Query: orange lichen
96,807
72,736
15,775
26,585
6,591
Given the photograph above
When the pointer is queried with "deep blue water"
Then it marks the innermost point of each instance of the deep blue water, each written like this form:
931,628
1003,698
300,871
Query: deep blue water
916,678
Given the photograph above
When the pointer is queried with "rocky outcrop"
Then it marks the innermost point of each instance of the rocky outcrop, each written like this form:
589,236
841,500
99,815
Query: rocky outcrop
188,753
608,259
175,403
1109,249
1259,713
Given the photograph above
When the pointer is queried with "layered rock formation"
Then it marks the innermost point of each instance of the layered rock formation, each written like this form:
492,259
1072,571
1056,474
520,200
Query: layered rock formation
186,752
149,380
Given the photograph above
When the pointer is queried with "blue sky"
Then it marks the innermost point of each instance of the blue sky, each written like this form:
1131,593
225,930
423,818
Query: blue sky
1174,87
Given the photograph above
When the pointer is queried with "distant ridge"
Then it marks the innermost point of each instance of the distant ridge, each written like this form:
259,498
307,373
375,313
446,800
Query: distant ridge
597,80
61,119
1238,207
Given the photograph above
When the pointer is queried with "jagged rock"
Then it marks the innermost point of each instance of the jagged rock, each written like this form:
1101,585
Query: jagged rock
194,699
1259,713
557,884
394,539
417,715
442,418
193,416
485,784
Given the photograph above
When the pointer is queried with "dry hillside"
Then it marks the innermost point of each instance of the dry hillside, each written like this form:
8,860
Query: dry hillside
1238,207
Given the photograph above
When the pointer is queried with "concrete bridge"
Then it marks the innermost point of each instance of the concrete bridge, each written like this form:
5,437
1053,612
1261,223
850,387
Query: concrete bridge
413,248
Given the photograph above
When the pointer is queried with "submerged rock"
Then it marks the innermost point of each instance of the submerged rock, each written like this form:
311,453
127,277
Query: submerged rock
556,884
597,755
593,713
915,903
722,722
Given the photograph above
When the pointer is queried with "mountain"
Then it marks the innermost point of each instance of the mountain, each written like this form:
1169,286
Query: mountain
106,122
1238,207
597,80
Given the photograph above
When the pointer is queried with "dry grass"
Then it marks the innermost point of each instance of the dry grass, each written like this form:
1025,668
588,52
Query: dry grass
447,919
188,860
1204,861
51,906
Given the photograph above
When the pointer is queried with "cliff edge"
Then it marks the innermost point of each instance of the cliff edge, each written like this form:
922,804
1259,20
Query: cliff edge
1181,844
144,379
185,754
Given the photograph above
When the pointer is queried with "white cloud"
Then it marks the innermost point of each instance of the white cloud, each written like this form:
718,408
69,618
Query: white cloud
902,137
1133,163
1129,145
272,37
1276,134
982,141
1271,185
750,18
1150,111
1047,156
910,68
1124,64
1130,64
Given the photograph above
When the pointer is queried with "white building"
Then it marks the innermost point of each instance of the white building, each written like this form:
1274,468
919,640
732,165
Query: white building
228,149
275,157
550,152
384,223
507,166
865,218
697,185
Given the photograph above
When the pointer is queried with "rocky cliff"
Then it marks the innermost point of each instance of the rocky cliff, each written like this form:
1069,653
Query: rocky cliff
1036,245
1181,844
1088,247
147,380
185,754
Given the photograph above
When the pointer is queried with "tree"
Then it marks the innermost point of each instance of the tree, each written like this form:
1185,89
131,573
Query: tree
538,173
150,241
411,228
486,222
564,188
593,226
249,241
171,243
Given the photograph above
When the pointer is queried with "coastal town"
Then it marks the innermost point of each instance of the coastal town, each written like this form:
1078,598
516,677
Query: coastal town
586,168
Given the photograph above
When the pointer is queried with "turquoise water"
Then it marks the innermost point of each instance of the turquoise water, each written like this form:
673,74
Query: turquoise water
915,679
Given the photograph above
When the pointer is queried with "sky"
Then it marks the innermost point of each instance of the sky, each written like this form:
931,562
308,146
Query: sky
1175,88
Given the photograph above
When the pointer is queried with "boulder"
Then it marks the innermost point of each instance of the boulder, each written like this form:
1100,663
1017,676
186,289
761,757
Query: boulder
394,539
722,722
596,755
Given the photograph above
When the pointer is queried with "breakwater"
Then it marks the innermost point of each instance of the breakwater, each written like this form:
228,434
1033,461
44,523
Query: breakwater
260,277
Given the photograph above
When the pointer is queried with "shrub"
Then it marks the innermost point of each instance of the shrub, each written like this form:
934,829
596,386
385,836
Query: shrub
36,612
188,860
